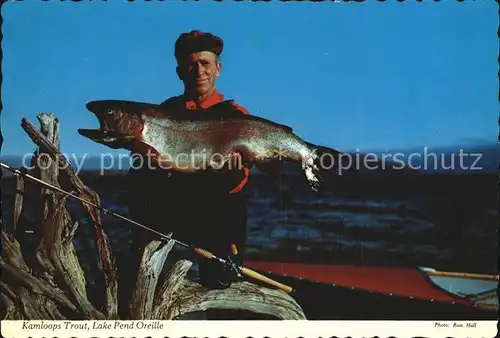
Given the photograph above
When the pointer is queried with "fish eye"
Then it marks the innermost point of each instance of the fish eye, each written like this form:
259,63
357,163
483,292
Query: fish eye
110,111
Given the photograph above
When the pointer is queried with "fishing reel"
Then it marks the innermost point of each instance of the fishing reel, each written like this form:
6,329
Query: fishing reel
231,266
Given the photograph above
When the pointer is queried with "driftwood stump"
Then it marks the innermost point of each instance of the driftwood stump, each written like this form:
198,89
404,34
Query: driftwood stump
42,276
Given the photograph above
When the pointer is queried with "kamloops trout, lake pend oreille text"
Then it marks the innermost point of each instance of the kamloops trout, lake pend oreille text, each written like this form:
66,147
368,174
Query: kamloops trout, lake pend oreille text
94,325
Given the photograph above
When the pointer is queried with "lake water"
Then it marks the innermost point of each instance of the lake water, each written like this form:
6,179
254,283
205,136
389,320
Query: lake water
441,221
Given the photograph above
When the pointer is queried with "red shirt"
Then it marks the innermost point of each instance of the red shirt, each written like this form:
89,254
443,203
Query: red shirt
216,97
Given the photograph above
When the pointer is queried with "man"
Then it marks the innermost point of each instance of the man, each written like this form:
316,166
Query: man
209,209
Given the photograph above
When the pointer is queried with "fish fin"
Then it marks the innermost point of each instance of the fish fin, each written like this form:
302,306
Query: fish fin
326,165
249,116
334,162
224,110
264,120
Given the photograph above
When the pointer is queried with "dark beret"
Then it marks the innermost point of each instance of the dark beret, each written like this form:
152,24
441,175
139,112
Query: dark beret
196,41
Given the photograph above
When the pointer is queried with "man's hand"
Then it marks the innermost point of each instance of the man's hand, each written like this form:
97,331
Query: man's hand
236,161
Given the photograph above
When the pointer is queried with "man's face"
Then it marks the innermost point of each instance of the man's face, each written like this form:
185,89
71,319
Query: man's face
199,72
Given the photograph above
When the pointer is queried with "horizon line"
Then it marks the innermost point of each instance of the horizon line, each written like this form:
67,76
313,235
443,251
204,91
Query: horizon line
475,144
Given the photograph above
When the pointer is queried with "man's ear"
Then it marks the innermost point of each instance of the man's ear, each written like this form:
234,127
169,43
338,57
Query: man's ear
219,67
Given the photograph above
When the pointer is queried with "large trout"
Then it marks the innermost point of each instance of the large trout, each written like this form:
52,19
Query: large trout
205,140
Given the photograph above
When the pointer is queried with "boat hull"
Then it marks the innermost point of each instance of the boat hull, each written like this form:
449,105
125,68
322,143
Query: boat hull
373,293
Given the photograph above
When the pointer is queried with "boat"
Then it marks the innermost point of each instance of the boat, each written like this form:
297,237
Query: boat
330,292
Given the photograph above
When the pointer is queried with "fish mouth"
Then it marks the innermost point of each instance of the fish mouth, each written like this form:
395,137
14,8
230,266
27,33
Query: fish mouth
100,135
105,134
91,105
108,138
97,106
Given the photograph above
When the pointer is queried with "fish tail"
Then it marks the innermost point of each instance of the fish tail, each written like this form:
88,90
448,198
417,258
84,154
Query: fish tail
321,165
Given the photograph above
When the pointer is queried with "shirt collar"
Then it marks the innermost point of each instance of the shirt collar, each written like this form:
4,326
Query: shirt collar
216,97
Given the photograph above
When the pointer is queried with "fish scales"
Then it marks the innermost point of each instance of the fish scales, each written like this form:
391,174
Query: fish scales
203,141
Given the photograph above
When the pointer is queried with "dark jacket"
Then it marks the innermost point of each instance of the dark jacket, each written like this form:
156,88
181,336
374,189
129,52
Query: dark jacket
195,207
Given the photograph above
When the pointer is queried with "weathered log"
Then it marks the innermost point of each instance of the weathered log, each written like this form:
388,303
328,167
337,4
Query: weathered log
18,202
46,281
179,295
104,250
153,259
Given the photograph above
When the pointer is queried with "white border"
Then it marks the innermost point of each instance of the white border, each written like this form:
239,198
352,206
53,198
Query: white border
245,329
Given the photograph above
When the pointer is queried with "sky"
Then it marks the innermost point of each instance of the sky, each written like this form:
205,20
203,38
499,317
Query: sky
371,75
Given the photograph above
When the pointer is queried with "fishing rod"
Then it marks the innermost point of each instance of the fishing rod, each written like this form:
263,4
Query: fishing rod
240,270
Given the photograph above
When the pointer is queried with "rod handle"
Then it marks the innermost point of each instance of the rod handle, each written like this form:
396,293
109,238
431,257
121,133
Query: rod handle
234,250
204,253
248,272
254,274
